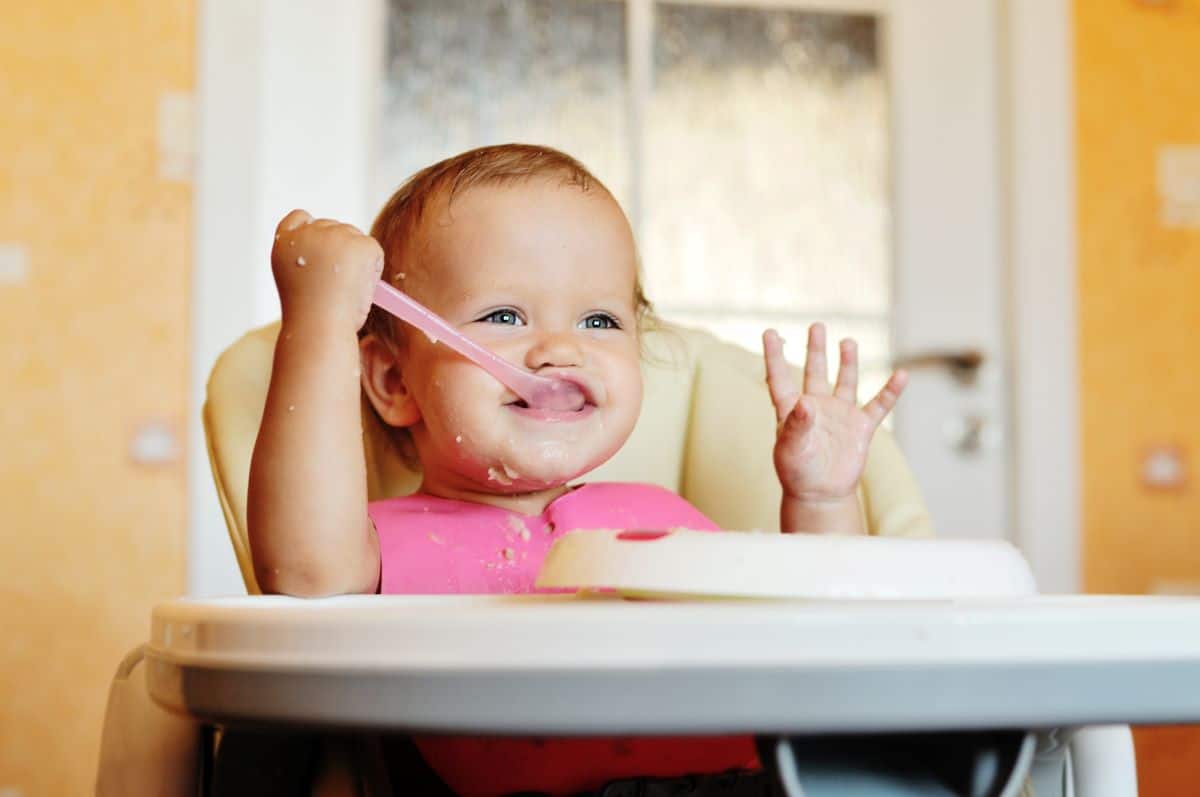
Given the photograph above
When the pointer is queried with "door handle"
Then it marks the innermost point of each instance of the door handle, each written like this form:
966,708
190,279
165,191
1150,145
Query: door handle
963,365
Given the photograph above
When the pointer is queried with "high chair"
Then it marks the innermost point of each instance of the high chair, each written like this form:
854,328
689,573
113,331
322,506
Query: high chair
706,431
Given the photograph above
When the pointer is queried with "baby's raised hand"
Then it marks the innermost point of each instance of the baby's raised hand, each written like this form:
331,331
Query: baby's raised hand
822,434
324,270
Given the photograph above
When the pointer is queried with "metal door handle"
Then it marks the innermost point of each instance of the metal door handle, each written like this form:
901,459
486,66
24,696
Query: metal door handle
962,365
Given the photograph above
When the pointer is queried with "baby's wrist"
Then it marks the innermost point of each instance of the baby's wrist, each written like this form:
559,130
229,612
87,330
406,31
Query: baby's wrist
821,514
819,498
816,503
316,320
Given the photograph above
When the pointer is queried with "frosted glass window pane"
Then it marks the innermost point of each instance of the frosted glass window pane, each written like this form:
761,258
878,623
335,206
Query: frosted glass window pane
467,73
766,169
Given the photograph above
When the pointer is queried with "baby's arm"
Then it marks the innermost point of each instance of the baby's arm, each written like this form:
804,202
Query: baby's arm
307,503
822,435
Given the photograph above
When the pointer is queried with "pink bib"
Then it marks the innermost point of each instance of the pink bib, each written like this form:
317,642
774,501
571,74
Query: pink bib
441,546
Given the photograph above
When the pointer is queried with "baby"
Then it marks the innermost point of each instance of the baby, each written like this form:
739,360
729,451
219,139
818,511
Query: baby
527,253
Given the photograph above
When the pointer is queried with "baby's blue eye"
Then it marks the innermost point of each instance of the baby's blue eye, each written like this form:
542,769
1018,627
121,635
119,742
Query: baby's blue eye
509,317
600,321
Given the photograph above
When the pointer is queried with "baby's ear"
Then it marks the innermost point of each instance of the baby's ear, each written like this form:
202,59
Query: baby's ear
384,383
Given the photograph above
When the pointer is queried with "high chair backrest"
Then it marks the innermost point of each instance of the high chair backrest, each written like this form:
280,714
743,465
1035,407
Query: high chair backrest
706,431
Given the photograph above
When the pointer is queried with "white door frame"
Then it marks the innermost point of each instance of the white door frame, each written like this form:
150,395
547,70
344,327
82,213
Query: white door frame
279,83
321,101
1043,339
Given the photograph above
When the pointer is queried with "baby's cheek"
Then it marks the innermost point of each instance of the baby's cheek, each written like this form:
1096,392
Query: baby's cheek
468,437
456,394
626,408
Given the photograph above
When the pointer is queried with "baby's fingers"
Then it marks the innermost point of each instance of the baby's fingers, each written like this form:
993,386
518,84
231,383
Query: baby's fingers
779,376
878,407
816,374
847,378
294,220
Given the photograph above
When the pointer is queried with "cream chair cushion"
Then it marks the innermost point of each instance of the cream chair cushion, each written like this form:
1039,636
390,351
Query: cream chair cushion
706,431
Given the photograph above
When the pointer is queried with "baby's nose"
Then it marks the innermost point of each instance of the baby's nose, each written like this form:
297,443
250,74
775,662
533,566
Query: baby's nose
554,351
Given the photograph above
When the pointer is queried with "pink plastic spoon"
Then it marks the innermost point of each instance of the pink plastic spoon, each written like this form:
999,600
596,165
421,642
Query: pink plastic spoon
537,391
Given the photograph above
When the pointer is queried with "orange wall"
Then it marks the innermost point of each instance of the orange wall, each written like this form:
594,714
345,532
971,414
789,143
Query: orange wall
92,343
1139,290
1139,305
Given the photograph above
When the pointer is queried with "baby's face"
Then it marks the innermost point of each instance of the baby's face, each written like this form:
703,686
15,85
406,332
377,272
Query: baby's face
543,274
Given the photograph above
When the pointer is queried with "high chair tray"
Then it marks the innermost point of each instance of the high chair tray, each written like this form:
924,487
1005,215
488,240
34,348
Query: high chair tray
740,564
568,665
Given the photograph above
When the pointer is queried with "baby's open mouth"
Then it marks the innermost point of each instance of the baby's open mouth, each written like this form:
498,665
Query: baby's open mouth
522,404
522,408
587,388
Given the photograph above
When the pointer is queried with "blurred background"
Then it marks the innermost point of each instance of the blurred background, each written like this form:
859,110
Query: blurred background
1003,195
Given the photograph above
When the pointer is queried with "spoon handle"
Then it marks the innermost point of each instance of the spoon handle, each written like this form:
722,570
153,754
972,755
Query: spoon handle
410,310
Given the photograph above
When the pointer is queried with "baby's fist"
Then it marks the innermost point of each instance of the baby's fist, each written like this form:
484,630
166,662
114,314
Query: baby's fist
324,270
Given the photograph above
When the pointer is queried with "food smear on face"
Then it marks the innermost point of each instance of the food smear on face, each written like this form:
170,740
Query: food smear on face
496,476
554,452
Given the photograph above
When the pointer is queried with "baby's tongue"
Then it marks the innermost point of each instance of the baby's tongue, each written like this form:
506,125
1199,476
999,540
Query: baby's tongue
559,395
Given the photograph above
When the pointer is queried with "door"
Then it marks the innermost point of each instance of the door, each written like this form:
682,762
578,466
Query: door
783,160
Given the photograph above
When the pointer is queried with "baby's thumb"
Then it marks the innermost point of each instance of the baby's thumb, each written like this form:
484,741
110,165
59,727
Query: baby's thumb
799,420
297,218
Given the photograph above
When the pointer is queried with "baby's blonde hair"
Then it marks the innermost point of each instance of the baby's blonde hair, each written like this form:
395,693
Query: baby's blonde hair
398,224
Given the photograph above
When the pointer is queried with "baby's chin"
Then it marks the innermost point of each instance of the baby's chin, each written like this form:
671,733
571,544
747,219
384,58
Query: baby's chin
504,477
548,466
